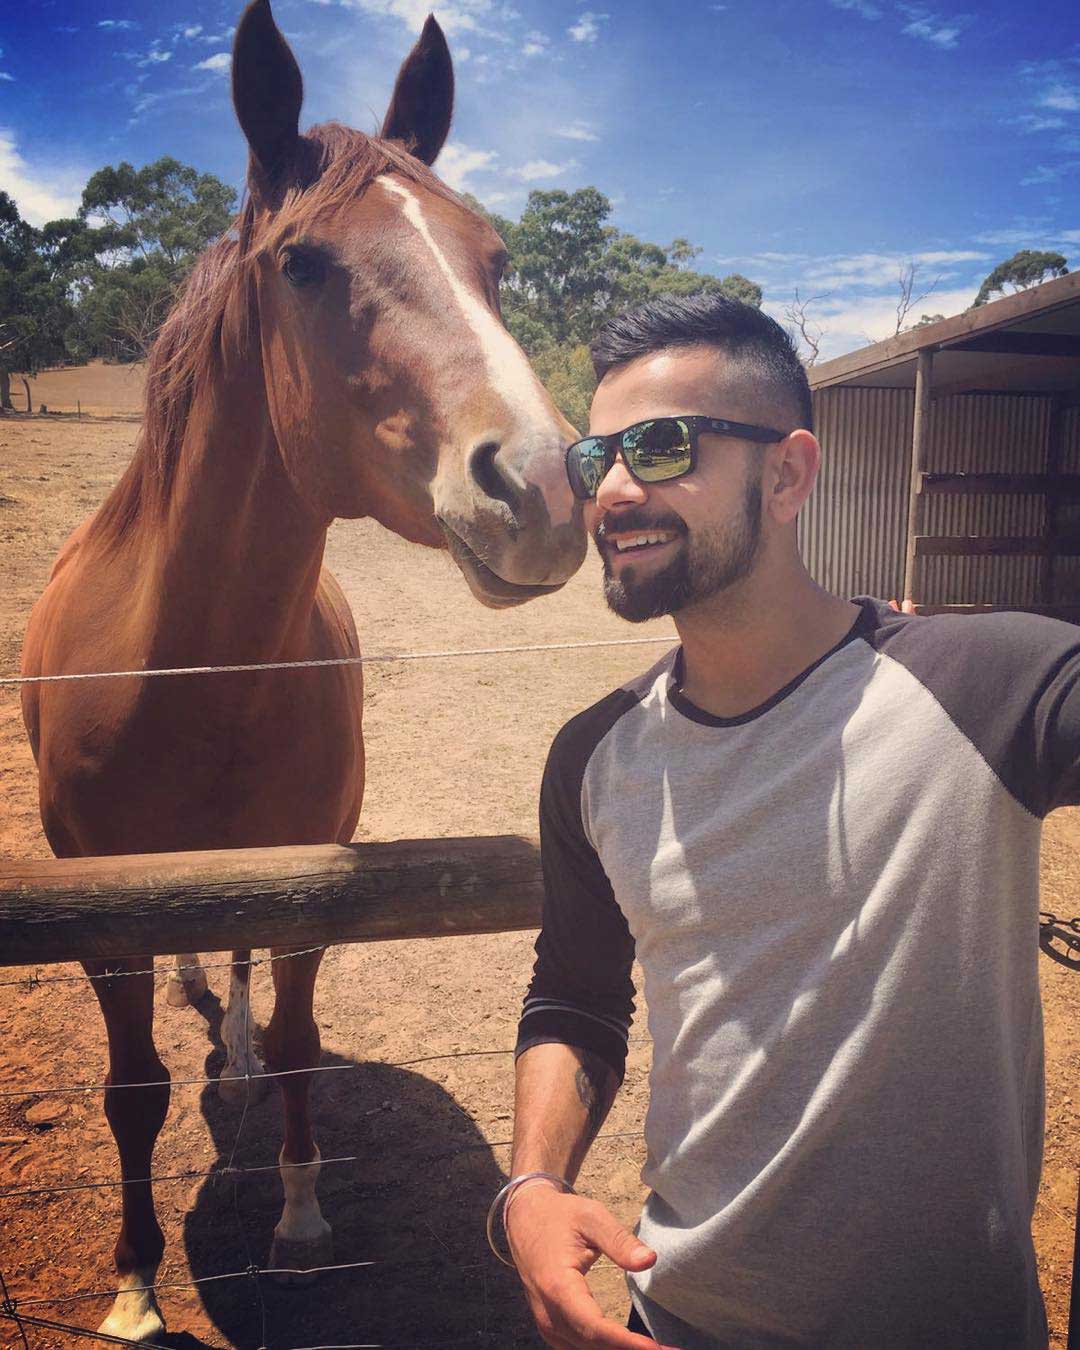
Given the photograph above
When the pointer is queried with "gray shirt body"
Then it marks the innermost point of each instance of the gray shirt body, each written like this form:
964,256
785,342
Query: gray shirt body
834,902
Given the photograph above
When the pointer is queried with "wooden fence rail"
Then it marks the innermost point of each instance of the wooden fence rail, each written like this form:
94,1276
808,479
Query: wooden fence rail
160,904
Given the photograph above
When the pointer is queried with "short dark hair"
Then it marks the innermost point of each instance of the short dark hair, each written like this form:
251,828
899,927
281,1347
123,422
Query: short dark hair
711,319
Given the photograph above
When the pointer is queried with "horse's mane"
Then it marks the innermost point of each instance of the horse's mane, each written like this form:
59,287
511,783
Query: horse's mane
333,164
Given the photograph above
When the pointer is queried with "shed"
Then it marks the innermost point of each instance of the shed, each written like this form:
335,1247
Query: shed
951,461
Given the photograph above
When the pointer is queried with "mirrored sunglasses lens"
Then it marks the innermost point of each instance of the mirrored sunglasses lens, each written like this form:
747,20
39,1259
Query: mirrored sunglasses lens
659,449
586,465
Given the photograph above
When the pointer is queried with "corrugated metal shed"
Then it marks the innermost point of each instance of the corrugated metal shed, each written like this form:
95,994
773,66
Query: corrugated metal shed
1004,398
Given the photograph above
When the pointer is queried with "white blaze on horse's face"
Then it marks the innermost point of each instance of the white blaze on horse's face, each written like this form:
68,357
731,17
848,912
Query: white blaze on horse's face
499,489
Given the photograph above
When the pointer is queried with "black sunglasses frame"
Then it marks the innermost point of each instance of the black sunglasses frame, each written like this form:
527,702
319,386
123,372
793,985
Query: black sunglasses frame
695,425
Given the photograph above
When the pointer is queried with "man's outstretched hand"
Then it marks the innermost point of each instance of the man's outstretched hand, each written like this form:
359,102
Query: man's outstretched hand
554,1239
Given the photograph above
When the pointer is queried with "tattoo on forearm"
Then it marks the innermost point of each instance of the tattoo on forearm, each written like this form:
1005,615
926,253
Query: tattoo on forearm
593,1088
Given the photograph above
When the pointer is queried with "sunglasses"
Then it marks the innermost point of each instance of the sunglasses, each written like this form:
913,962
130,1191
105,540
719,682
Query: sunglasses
653,452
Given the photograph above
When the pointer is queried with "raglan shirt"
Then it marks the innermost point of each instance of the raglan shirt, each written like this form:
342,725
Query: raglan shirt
834,901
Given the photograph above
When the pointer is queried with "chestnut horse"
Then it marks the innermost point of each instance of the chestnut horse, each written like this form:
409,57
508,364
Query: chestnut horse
338,354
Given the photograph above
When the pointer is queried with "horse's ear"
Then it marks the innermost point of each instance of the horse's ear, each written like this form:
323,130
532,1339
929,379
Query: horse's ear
267,93
423,99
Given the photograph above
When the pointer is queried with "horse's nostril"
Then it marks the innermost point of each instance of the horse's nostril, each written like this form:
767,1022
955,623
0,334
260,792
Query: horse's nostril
488,474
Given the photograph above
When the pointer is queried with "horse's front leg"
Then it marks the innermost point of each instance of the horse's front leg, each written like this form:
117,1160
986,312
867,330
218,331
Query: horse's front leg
302,1237
135,1115
242,1065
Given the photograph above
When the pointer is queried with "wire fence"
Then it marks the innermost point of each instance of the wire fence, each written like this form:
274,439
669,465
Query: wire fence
22,1311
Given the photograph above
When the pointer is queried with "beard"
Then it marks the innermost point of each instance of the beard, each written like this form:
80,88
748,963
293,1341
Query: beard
706,563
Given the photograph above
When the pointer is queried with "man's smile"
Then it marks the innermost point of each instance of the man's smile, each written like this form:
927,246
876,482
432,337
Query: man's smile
642,541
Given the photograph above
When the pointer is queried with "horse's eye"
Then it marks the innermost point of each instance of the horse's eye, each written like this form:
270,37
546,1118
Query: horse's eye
301,268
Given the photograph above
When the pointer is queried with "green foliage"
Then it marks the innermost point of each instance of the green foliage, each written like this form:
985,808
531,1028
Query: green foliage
566,371
34,304
928,319
138,234
568,270
1027,268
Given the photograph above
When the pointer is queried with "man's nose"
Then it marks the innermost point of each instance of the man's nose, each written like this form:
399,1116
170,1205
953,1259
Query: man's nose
619,487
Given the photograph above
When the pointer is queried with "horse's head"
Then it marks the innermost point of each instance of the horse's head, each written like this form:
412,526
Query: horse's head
394,389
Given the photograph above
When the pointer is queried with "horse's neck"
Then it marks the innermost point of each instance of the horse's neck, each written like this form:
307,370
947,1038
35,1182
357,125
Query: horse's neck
233,560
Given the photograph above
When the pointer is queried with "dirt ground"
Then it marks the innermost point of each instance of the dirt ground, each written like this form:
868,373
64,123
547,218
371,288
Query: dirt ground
455,747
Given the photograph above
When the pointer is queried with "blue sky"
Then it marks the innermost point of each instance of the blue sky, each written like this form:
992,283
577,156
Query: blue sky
818,144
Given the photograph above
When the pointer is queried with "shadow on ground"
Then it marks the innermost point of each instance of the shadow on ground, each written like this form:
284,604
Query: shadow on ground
414,1204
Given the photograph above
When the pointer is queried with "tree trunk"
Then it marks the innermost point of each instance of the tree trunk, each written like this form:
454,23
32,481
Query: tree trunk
26,386
6,404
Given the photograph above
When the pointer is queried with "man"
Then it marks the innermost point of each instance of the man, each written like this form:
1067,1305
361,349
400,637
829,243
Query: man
817,825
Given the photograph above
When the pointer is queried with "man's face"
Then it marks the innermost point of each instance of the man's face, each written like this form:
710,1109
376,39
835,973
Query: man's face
703,530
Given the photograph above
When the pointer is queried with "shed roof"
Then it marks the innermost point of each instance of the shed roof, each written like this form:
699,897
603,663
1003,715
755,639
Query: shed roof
1027,343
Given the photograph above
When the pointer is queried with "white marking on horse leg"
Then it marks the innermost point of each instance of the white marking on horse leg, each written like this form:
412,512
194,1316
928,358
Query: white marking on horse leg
302,1238
187,983
240,1057
135,1315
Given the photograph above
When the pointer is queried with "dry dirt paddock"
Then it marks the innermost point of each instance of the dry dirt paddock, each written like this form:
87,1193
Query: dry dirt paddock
455,747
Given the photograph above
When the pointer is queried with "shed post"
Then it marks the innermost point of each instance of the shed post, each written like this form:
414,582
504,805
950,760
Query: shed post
923,378
1055,441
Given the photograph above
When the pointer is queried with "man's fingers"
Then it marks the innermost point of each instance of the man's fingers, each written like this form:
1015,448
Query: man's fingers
608,1235
585,1326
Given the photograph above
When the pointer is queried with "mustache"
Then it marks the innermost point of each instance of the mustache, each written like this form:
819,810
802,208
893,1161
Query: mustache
639,521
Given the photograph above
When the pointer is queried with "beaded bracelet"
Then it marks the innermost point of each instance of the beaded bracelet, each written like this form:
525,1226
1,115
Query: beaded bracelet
504,1197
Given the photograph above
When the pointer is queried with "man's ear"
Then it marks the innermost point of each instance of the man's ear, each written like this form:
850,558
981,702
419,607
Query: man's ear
423,99
267,93
793,470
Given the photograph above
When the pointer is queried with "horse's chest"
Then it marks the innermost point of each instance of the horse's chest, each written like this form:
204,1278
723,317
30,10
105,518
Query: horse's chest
214,761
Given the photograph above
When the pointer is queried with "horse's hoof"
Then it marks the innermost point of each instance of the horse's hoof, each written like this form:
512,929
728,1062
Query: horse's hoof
236,1090
183,991
292,1262
135,1317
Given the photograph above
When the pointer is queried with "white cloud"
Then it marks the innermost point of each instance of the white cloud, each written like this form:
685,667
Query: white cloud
155,57
40,194
536,169
192,31
1030,122
455,17
863,7
536,43
5,76
458,163
851,322
936,29
577,131
116,24
587,28
1061,96
839,272
220,62
1049,173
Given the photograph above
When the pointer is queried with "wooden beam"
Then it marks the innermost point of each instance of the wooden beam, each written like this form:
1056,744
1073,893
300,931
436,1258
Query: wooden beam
1070,613
159,904
1015,342
924,374
999,546
1049,296
1065,486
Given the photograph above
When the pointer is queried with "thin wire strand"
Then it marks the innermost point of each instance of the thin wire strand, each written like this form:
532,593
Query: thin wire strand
388,659
75,1088
8,1303
220,1173
32,981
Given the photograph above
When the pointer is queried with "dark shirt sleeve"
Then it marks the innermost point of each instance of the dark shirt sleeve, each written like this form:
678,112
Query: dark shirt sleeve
1056,718
1011,683
581,992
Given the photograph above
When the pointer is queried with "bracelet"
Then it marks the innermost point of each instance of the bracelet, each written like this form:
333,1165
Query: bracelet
503,1198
